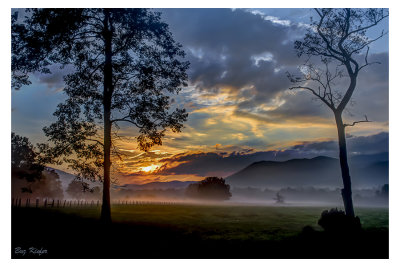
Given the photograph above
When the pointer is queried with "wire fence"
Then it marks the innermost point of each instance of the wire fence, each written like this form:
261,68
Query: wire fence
59,203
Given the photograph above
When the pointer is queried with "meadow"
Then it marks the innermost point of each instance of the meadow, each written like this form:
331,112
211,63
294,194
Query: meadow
230,222
193,231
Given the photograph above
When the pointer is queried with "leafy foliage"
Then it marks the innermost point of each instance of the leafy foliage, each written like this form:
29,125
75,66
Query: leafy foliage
211,188
25,161
145,71
81,190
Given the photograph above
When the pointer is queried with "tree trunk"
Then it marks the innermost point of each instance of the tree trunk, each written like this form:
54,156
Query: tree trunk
106,206
346,191
107,96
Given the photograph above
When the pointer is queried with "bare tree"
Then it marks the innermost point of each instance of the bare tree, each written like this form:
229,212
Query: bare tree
339,39
279,198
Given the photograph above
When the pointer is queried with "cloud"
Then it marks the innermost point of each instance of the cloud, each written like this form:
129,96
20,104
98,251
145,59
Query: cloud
221,163
211,163
372,144
222,46
239,59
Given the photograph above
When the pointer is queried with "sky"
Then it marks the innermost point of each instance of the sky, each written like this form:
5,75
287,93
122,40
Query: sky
240,108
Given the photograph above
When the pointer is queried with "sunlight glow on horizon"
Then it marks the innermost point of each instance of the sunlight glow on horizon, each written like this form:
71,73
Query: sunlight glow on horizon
150,168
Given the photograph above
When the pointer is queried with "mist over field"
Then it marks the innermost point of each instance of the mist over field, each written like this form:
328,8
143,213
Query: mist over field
58,184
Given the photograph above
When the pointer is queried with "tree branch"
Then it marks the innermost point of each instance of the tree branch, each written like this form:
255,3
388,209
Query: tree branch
369,26
126,120
328,45
355,122
314,93
94,140
366,61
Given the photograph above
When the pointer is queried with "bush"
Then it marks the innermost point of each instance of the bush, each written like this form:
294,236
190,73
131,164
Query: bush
336,221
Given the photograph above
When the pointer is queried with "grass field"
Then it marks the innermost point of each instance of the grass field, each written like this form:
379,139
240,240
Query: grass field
183,231
230,222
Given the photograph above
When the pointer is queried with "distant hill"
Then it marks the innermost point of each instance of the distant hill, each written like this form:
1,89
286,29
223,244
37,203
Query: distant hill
366,171
66,178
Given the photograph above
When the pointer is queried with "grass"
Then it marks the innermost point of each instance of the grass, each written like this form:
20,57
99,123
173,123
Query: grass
230,222
182,227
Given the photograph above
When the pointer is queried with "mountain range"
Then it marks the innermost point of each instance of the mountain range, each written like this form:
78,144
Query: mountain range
366,171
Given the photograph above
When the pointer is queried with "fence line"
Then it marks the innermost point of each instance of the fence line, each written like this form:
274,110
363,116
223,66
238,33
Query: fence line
59,203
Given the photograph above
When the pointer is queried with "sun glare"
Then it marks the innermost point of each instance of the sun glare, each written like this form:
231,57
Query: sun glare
150,168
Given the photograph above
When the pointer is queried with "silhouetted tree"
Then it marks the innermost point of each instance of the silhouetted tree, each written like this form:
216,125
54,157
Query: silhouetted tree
338,37
25,162
279,198
29,177
384,192
126,66
211,188
48,186
82,190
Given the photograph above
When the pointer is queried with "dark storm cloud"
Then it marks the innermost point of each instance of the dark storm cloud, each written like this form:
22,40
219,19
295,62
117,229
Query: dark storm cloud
317,146
224,46
223,164
371,144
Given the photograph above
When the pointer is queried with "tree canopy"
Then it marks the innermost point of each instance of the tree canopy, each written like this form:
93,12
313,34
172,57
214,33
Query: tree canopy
211,188
126,66
25,161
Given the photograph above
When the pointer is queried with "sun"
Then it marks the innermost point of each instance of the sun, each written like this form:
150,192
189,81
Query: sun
150,168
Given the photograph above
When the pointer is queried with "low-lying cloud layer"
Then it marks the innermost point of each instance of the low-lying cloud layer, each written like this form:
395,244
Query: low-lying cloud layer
224,163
